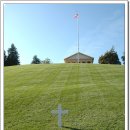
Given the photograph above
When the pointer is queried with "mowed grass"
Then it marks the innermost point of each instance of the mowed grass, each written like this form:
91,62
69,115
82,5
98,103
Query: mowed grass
93,94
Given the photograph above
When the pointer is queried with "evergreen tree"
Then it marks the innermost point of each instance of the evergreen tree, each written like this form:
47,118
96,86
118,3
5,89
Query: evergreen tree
36,60
13,56
5,59
110,57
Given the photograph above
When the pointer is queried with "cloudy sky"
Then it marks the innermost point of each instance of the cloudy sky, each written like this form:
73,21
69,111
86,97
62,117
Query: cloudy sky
49,30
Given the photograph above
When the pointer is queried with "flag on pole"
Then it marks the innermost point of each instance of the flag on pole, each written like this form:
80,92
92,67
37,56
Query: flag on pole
76,16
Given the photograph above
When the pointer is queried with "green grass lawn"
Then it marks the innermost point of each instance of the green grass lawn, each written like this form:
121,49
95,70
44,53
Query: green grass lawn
93,94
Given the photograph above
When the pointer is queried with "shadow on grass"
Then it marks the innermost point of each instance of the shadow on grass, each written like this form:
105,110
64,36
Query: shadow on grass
71,128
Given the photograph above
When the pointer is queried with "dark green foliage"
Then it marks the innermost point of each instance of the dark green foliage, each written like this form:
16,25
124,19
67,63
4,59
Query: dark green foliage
36,60
123,59
13,56
46,61
5,59
110,57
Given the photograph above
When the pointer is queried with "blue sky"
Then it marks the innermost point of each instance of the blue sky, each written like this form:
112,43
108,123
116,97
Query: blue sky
49,30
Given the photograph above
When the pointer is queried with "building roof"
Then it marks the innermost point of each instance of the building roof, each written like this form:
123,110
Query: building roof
81,56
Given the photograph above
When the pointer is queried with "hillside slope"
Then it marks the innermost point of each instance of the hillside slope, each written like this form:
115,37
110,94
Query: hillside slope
93,94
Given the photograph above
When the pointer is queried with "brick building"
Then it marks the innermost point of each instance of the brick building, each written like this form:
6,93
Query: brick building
83,58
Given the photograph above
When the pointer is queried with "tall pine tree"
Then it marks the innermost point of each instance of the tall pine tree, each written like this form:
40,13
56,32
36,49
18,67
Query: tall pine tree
13,56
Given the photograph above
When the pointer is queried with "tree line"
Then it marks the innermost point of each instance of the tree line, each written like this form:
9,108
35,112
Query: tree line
36,60
13,58
109,57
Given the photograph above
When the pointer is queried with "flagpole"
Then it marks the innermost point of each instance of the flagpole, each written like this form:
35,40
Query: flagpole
78,35
77,17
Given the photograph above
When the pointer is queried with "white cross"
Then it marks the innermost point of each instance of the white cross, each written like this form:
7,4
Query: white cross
60,112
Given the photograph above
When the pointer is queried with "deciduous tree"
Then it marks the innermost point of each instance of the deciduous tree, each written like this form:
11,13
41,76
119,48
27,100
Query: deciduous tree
36,60
46,61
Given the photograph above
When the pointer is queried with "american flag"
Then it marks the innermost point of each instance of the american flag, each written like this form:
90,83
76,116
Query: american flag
76,16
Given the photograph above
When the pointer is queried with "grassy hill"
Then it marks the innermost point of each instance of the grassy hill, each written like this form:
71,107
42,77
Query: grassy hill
93,94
